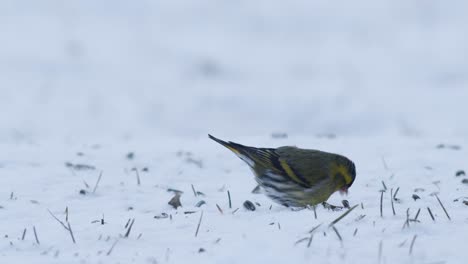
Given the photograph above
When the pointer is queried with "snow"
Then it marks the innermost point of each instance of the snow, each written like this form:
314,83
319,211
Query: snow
87,82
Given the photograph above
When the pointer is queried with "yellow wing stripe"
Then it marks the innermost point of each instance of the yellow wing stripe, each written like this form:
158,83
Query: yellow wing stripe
290,172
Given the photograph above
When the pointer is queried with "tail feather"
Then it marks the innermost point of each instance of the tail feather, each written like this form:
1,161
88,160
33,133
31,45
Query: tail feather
243,152
234,147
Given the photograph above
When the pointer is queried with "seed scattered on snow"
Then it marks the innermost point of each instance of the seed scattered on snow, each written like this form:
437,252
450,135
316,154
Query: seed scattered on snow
200,203
249,205
465,181
175,201
161,216
415,197
345,204
83,192
460,173
130,155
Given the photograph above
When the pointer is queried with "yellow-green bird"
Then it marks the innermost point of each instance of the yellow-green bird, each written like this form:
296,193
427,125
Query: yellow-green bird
296,177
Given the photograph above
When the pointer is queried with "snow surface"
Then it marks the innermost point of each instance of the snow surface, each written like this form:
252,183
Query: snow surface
87,82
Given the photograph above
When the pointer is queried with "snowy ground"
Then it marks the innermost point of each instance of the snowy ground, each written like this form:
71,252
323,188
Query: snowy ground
89,82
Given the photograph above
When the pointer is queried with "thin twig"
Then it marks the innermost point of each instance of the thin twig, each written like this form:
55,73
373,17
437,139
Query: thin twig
219,209
343,215
355,232
24,234
194,192
443,207
384,186
129,228
71,233
310,240
137,176
315,211
315,228
112,247
430,213
229,197
381,201
412,244
97,182
417,214
391,199
396,192
58,220
199,223
337,233
35,235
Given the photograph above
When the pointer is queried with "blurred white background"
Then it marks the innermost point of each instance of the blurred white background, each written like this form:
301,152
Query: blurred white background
126,69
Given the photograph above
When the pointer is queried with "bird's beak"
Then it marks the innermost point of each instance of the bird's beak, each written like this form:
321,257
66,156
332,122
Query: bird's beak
344,191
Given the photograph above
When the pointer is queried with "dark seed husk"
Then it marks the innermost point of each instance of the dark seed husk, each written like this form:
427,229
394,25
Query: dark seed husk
175,201
249,205
345,204
200,203
415,197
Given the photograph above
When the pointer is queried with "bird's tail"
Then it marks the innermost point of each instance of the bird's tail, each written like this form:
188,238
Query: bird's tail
238,149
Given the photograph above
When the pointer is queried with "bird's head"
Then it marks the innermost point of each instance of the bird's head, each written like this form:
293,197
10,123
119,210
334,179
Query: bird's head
343,173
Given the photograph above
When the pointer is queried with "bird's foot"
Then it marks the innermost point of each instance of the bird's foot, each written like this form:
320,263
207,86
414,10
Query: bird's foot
332,207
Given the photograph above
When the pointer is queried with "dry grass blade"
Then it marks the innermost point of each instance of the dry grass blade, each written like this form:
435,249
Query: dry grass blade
219,209
229,197
71,233
430,213
24,234
396,192
199,223
35,235
412,244
138,177
58,220
193,189
391,199
417,214
337,233
384,186
310,240
343,215
315,228
129,228
301,240
381,204
112,247
97,182
443,207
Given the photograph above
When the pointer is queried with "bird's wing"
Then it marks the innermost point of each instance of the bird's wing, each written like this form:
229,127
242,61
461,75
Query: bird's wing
310,166
265,159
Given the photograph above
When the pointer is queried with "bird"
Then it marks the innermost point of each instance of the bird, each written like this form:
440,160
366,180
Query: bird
296,177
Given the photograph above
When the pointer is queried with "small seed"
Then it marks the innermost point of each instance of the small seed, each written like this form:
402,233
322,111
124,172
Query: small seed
249,205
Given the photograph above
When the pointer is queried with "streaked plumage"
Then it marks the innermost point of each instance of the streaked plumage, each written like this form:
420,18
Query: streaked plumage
296,177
